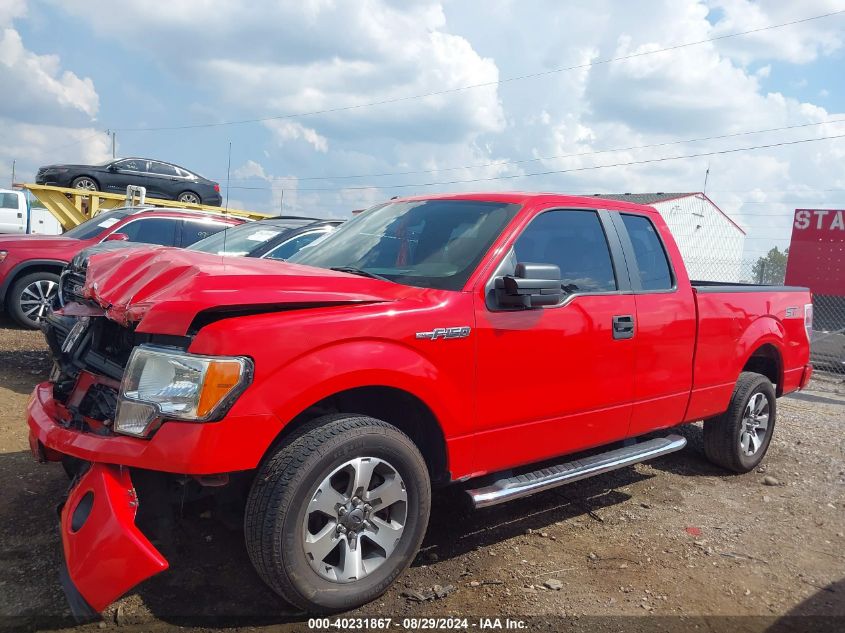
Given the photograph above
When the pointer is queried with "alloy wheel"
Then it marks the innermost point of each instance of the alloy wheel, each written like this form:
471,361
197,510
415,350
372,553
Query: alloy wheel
86,183
190,198
355,519
36,299
755,424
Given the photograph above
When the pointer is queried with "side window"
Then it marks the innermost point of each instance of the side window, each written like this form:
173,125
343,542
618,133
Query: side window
162,169
194,231
132,164
655,273
294,245
575,242
8,200
160,231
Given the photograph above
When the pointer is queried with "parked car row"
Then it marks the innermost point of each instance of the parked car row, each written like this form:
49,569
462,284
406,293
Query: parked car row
479,340
30,266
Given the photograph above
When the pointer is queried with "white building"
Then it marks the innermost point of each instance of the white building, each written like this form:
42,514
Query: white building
711,244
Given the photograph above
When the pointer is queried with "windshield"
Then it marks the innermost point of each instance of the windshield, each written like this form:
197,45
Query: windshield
426,243
239,240
96,225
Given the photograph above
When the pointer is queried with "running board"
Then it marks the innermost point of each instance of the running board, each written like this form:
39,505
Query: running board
518,486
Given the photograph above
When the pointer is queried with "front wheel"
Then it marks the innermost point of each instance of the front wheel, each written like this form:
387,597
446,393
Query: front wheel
85,182
336,514
739,438
30,298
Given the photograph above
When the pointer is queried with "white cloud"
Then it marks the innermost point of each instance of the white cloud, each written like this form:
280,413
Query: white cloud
291,131
248,60
37,87
45,110
799,43
295,57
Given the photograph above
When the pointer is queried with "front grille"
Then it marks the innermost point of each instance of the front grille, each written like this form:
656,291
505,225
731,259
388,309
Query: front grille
103,350
72,283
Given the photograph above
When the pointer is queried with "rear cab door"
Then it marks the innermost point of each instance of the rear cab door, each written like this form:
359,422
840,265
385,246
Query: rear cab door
666,320
556,379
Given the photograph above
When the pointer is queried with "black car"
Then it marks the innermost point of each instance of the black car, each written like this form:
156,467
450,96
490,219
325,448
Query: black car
161,180
274,238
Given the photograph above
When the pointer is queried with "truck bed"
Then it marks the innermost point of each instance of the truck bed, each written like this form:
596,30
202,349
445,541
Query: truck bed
735,321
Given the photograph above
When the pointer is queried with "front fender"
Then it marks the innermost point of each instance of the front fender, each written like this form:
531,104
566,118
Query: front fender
365,363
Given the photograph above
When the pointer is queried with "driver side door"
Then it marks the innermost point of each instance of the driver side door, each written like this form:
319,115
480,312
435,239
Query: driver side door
130,171
556,379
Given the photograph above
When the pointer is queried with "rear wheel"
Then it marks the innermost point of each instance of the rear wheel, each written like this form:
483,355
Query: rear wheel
189,197
85,182
336,514
30,298
739,438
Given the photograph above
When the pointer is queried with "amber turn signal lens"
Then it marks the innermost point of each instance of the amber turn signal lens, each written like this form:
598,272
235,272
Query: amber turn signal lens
221,377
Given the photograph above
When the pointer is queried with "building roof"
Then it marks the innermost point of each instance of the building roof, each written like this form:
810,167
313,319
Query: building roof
644,198
654,198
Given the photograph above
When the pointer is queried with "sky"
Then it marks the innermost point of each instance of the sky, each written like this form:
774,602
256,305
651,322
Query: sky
300,79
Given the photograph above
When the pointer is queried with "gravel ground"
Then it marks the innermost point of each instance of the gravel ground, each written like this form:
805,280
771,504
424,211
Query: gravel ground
674,544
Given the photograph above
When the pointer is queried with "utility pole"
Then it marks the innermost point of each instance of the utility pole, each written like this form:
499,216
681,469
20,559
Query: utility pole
228,169
282,204
112,135
13,172
706,174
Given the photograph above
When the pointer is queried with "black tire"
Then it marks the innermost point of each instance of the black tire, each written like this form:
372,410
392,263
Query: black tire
723,434
189,197
16,303
77,183
277,506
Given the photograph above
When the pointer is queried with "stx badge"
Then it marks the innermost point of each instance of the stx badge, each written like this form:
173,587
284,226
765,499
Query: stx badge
445,332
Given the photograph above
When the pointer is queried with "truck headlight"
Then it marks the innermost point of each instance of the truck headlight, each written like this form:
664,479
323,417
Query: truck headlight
161,383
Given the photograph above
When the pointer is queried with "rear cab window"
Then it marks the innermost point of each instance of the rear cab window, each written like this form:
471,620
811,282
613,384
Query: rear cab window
651,259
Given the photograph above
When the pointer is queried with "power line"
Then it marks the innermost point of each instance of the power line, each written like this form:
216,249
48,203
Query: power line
564,171
557,157
485,84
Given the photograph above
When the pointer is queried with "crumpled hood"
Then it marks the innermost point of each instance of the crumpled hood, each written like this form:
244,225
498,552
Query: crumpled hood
166,288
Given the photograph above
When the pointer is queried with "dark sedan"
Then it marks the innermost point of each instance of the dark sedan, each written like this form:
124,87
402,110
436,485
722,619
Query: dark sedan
161,180
274,238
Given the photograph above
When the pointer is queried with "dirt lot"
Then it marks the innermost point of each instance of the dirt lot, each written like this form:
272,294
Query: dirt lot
677,543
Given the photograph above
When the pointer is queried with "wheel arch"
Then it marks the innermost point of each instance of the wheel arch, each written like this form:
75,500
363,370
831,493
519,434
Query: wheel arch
199,197
399,407
767,360
25,268
94,178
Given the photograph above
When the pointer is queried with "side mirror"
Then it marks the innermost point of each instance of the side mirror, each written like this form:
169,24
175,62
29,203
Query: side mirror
117,237
531,286
112,167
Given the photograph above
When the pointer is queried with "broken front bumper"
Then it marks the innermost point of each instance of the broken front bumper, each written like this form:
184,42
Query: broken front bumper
105,553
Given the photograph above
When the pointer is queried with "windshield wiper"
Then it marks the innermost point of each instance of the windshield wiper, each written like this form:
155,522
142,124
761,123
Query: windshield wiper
358,271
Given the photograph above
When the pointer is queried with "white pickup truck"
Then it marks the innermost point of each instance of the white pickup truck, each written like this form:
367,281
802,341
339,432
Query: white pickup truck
20,213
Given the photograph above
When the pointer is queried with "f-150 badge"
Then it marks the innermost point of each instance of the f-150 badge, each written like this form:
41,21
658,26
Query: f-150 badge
445,332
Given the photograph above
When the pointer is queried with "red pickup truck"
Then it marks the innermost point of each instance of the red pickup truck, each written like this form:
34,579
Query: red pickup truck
431,340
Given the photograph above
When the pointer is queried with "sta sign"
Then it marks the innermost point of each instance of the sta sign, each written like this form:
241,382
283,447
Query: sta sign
821,219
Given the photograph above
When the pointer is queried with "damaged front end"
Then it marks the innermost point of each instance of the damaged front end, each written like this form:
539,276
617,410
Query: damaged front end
105,552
